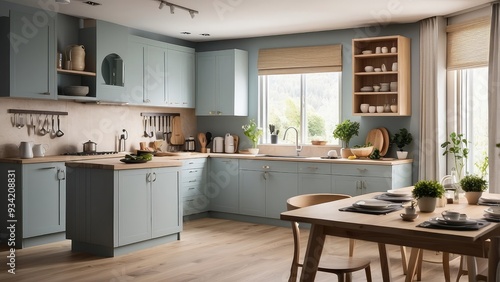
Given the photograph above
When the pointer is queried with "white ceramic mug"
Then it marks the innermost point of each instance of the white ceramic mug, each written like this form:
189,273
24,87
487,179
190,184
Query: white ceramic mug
39,150
378,50
451,215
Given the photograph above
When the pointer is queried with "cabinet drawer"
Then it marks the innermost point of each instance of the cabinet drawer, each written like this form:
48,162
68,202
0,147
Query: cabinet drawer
192,175
194,163
317,168
191,190
269,165
362,170
194,204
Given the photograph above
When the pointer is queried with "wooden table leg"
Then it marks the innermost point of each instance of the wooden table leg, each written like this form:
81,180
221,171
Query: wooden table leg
384,263
471,268
313,253
412,264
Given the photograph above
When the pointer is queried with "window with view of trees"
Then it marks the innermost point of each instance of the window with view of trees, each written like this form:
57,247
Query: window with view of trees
309,102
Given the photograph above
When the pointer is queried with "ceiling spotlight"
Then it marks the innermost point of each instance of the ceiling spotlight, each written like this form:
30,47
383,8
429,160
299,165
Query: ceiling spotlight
191,12
173,6
63,1
172,9
162,4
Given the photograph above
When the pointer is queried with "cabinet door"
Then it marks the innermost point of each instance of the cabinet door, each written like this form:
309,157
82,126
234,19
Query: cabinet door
279,187
134,207
349,185
376,184
206,85
180,78
252,190
223,181
32,57
44,199
154,76
314,183
135,72
166,214
225,84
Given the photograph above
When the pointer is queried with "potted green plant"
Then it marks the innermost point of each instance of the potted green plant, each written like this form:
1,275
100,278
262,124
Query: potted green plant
344,131
457,146
253,132
426,192
474,186
402,139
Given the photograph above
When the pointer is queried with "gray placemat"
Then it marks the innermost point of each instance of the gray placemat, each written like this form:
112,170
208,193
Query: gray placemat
480,224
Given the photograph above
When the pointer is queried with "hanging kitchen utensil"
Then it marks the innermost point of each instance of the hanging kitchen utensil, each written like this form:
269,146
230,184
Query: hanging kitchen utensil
146,134
159,132
203,142
59,132
208,135
53,129
151,128
177,135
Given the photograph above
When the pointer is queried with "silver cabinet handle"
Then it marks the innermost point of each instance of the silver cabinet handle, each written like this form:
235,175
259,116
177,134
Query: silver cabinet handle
266,167
45,93
49,167
190,181
312,167
361,170
193,171
264,175
61,174
154,173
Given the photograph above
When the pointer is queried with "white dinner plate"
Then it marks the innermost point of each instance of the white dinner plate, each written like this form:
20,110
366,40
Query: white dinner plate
396,193
460,222
492,213
487,199
373,204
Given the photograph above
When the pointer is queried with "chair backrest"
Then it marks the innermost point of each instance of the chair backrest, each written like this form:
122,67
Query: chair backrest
302,201
494,260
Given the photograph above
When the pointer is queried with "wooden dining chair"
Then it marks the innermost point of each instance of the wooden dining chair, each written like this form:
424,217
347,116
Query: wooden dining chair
341,266
492,272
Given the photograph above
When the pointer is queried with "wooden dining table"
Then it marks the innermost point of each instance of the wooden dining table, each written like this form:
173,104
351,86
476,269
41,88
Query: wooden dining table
326,219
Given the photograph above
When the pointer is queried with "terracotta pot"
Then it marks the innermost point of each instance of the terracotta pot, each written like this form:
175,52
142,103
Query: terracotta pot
345,153
427,204
473,197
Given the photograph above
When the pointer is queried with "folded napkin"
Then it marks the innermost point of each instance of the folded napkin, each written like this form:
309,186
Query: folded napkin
371,211
479,224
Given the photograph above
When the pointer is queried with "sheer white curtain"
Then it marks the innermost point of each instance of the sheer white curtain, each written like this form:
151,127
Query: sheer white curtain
494,100
432,97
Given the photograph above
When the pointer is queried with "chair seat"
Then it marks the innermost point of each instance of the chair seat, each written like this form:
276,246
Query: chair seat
337,264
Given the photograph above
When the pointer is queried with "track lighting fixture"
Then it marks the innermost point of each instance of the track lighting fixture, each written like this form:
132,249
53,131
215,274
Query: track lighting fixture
172,6
63,1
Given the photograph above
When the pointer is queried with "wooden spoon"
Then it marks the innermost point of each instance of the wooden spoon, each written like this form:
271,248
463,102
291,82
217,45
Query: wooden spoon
203,142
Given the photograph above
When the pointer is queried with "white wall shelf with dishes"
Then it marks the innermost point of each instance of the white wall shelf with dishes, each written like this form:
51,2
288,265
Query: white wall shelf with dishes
381,76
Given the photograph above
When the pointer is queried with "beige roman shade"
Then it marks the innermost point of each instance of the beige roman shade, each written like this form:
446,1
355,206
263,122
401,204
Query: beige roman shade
327,58
468,44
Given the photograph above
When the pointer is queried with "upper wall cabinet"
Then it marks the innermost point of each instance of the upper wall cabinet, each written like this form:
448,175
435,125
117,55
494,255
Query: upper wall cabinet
160,74
222,83
381,76
106,55
28,55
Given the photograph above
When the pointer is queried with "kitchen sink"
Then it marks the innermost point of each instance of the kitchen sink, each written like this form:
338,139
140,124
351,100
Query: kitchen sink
282,156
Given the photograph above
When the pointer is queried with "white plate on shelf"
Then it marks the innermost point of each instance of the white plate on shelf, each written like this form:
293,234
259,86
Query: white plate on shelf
396,193
373,204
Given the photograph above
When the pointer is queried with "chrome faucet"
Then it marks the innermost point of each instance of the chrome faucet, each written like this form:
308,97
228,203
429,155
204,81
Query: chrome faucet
298,147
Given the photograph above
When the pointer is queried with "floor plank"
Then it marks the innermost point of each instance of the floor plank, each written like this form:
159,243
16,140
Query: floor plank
209,250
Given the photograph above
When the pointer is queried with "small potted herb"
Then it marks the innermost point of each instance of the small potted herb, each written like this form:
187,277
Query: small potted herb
474,186
344,131
426,193
253,133
402,139
274,134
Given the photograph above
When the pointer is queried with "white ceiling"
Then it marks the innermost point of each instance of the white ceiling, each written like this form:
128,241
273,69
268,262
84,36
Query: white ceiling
227,19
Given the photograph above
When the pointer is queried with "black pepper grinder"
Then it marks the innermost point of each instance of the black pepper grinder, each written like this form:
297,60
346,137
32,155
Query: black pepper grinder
121,143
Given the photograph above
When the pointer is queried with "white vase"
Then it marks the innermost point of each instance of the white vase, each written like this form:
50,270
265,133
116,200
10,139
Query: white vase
473,197
402,154
427,204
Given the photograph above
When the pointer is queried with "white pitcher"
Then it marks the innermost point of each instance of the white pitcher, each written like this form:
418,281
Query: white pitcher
26,150
39,150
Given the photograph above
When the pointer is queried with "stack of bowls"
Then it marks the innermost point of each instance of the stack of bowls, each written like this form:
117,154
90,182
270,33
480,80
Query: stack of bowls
369,89
384,86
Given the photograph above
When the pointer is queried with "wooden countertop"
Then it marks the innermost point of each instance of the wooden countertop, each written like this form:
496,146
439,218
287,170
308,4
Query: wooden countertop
116,164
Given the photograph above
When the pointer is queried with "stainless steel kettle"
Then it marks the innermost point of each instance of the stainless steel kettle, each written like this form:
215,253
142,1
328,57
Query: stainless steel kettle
89,147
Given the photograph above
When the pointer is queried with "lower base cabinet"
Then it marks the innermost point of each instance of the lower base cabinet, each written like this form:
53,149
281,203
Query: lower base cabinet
193,182
110,211
222,185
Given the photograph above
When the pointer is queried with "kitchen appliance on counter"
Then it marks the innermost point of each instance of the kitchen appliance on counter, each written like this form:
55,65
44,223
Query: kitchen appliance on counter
39,150
26,150
89,146
229,144
121,141
189,144
218,146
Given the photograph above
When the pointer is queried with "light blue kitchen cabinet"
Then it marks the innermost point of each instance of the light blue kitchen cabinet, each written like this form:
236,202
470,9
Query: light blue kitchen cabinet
38,193
223,183
222,83
355,185
160,74
106,46
148,204
112,212
193,182
28,55
181,78
265,186
314,178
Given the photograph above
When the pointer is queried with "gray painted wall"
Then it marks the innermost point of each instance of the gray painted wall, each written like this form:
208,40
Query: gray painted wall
220,125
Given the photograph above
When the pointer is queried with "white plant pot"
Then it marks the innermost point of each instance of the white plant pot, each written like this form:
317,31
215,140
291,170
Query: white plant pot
473,197
427,204
402,154
253,151
345,153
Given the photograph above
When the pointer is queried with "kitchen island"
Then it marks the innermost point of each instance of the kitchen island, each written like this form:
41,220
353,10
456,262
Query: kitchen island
114,208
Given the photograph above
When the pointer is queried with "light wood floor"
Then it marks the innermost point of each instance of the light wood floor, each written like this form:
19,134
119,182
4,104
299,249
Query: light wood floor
209,250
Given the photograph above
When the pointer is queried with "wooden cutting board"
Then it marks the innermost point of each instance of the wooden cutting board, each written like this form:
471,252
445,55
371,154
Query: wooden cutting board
387,141
376,138
177,135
